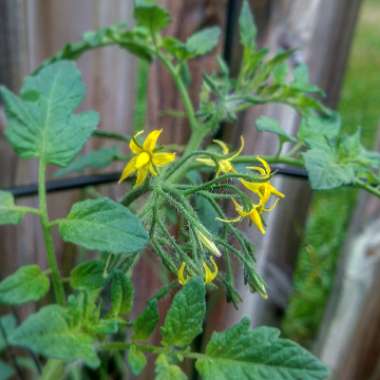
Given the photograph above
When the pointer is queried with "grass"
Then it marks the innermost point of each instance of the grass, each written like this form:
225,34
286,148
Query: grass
330,211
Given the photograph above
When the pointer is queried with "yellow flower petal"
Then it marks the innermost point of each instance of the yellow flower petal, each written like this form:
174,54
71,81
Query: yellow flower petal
128,170
256,219
134,146
181,274
151,140
141,175
258,169
276,192
265,165
223,146
162,159
206,161
209,274
242,143
142,159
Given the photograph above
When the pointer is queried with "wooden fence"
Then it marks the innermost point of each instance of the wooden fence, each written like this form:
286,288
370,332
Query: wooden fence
31,30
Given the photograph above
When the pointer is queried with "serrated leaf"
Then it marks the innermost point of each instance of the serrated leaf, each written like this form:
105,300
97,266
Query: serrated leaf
245,354
247,26
27,284
104,225
151,16
136,360
204,41
8,323
316,130
9,212
6,372
267,124
146,322
122,293
96,159
185,317
325,170
48,333
41,122
167,371
88,275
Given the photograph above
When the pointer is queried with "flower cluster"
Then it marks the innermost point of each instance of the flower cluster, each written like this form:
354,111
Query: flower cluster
263,189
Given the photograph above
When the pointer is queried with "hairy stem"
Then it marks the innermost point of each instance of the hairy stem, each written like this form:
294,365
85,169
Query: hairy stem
59,291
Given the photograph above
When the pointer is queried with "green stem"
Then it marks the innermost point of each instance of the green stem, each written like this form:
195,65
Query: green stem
121,346
112,135
370,189
270,159
187,103
59,291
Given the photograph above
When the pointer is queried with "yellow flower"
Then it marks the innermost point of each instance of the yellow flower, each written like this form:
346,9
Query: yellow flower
209,274
145,158
263,189
208,243
254,214
225,164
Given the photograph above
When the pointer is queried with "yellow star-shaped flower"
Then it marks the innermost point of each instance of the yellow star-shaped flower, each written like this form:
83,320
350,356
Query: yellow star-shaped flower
265,189
145,158
225,164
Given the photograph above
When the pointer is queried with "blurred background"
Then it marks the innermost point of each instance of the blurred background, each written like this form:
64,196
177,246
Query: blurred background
321,255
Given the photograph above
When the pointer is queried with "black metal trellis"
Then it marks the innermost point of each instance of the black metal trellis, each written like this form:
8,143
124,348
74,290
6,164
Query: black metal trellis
66,184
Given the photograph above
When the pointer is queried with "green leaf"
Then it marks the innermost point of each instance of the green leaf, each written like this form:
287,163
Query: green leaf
6,372
245,354
48,333
185,317
301,80
121,294
27,284
146,322
136,360
204,41
104,225
41,122
8,323
267,124
88,275
167,371
96,159
316,130
151,16
9,212
325,170
247,27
